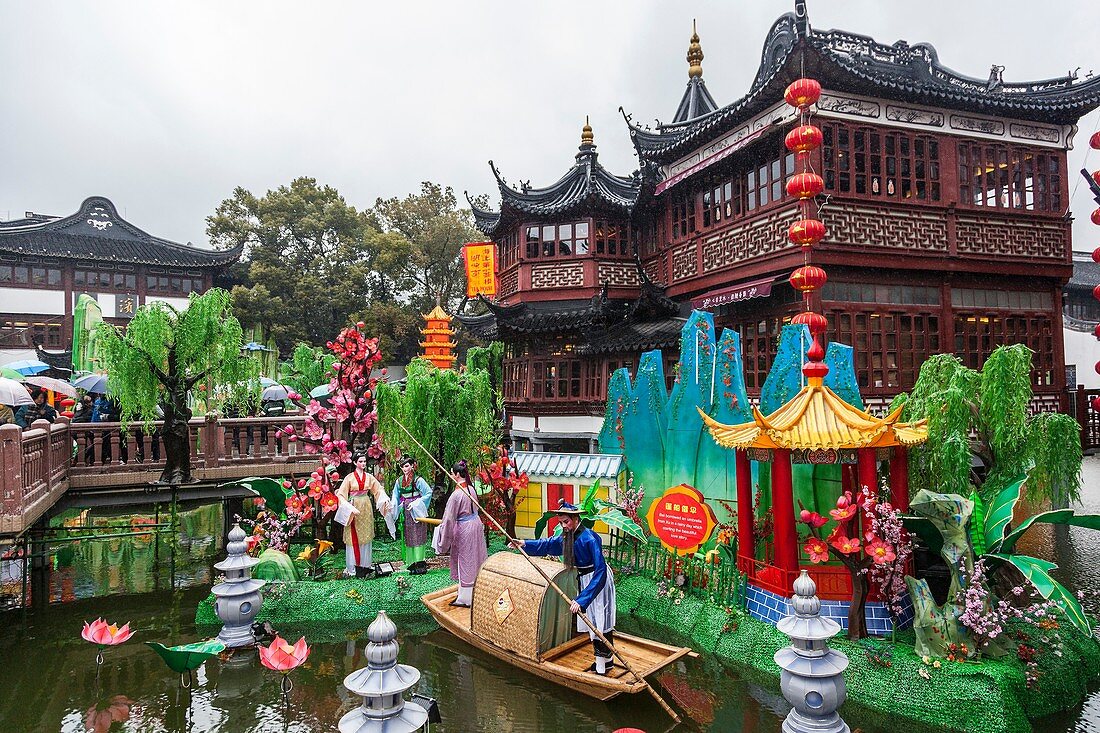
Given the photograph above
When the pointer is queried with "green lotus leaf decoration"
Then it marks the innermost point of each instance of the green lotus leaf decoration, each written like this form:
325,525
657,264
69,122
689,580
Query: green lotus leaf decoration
187,657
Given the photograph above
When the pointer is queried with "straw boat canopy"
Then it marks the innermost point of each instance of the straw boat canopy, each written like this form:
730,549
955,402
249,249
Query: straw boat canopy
515,609
817,418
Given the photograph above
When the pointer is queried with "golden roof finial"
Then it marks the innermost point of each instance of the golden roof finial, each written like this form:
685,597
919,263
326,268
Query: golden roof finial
586,133
695,54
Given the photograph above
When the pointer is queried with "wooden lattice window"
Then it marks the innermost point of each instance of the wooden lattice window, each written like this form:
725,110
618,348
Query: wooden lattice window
1006,177
721,201
869,161
683,215
515,379
759,343
556,379
612,238
889,346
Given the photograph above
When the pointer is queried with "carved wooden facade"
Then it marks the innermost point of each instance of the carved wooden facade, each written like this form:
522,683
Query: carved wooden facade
945,205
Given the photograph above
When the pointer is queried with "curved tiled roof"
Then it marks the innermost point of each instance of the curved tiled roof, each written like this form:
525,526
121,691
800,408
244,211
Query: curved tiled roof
586,185
97,232
854,63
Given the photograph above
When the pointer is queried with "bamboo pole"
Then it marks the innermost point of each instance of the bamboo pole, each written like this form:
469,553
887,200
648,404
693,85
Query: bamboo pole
599,634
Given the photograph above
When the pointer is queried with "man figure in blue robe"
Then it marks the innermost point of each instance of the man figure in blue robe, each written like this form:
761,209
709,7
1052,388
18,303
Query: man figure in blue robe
580,548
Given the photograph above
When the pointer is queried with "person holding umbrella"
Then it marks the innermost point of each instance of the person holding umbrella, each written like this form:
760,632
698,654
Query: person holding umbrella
38,410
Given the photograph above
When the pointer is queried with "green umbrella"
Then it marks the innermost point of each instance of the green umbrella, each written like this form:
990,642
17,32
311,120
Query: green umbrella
10,374
186,658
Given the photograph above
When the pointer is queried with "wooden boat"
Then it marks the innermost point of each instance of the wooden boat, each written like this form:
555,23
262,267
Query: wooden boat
517,618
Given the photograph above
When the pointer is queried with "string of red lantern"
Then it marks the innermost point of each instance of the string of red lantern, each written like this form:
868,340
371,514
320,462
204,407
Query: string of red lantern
808,230
1094,143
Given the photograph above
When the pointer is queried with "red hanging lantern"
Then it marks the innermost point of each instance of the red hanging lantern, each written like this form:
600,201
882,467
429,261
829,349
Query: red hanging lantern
808,279
1096,292
1096,331
802,93
1096,404
1097,367
805,185
803,139
806,232
1096,177
1096,255
816,322
1096,217
1094,141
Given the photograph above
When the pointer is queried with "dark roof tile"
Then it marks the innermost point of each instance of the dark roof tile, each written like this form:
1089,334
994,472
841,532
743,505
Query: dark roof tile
97,232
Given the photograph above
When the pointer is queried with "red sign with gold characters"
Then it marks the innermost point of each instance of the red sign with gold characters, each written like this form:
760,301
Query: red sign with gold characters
481,268
681,519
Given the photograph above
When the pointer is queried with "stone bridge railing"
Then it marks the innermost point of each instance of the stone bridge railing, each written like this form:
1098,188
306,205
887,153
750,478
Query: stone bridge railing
37,466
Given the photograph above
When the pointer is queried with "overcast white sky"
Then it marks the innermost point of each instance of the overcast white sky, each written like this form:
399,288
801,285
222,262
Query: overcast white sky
165,107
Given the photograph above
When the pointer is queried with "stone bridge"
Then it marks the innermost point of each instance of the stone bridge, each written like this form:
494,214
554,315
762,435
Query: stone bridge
42,466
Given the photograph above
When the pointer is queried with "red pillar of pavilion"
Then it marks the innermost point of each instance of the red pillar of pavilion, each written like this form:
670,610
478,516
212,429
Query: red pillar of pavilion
786,538
899,479
746,546
868,470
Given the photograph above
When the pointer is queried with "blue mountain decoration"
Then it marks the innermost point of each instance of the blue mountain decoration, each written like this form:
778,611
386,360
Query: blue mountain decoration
662,437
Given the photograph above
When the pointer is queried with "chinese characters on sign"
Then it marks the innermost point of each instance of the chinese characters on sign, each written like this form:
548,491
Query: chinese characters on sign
125,305
755,289
681,519
481,268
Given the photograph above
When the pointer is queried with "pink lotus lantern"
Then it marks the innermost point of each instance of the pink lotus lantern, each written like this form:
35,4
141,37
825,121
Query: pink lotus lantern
104,634
284,658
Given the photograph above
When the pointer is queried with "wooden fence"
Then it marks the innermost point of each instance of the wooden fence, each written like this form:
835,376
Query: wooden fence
719,580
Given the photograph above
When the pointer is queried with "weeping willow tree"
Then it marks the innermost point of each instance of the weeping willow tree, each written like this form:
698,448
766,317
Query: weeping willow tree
451,413
309,367
986,414
162,355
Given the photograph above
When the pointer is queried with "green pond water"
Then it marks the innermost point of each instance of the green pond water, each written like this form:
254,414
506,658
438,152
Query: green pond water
50,683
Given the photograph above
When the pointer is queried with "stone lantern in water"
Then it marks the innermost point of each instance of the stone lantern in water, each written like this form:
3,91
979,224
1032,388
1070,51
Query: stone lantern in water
813,674
238,599
382,684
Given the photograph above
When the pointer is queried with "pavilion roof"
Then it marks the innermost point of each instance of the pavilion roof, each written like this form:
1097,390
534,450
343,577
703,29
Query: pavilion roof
817,418
586,187
849,62
97,232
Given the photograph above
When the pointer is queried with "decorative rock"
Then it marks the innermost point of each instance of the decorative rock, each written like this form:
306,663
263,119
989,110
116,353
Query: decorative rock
238,599
813,674
382,684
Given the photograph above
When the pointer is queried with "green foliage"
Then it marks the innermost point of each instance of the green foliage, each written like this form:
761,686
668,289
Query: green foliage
313,260
309,367
976,527
1055,442
1056,516
597,510
1037,572
269,489
187,657
1000,511
433,230
275,565
986,414
164,352
448,411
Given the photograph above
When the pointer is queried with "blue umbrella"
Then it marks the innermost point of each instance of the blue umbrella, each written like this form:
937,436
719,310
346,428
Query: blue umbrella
320,391
267,382
96,383
27,367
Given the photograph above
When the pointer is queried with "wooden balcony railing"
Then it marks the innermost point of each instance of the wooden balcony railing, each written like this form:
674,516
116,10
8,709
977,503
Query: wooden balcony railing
37,466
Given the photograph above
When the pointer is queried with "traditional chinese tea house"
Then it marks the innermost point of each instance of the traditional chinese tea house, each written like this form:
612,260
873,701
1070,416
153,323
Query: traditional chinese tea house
47,262
945,201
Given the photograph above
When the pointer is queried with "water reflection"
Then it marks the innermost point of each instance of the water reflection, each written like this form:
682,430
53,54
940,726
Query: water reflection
92,553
